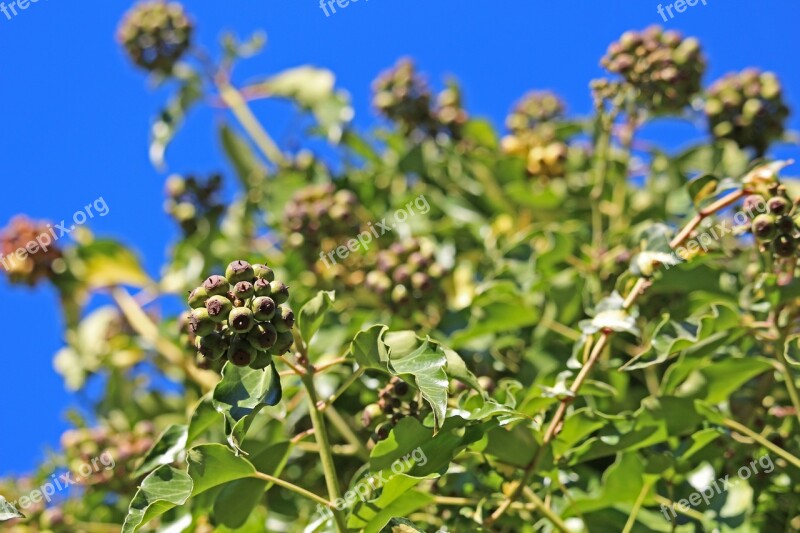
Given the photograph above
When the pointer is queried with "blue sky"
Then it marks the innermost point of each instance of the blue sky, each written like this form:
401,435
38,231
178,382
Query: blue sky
74,116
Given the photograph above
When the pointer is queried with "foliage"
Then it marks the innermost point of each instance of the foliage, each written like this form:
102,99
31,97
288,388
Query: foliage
559,328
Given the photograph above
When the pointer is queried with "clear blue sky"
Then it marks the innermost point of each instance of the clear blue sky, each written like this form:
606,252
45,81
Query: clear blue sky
74,116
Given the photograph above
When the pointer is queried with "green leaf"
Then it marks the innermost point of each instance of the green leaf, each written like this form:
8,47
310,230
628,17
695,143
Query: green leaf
792,350
703,187
610,315
203,417
236,501
241,394
108,263
412,449
243,389
499,308
369,350
172,117
166,450
700,334
164,489
313,313
397,499
719,379
8,511
248,167
426,364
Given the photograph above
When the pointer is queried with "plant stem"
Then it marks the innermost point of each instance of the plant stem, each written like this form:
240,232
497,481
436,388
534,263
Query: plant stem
325,454
545,510
786,371
294,488
736,426
638,289
355,376
145,328
637,506
343,428
238,105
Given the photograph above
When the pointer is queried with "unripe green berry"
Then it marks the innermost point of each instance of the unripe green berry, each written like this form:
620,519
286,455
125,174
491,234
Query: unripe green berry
764,227
400,294
263,308
279,292
262,337
777,205
200,323
239,271
197,298
216,286
264,272
243,290
284,343
262,287
241,353
241,320
370,414
784,246
211,346
284,319
262,361
219,307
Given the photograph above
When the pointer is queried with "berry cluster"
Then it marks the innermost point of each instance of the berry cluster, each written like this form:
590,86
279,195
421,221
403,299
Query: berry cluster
533,134
396,401
112,455
533,110
407,273
777,230
663,67
748,108
242,316
318,217
27,252
156,34
402,96
191,200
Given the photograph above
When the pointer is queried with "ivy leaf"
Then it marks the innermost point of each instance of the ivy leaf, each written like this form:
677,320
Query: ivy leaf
171,118
236,501
107,263
203,417
241,394
426,364
166,450
164,489
397,499
499,308
369,350
243,389
610,315
792,350
312,314
701,332
410,444
701,188
8,511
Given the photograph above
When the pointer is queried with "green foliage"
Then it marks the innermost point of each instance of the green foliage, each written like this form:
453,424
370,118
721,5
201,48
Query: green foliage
497,331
